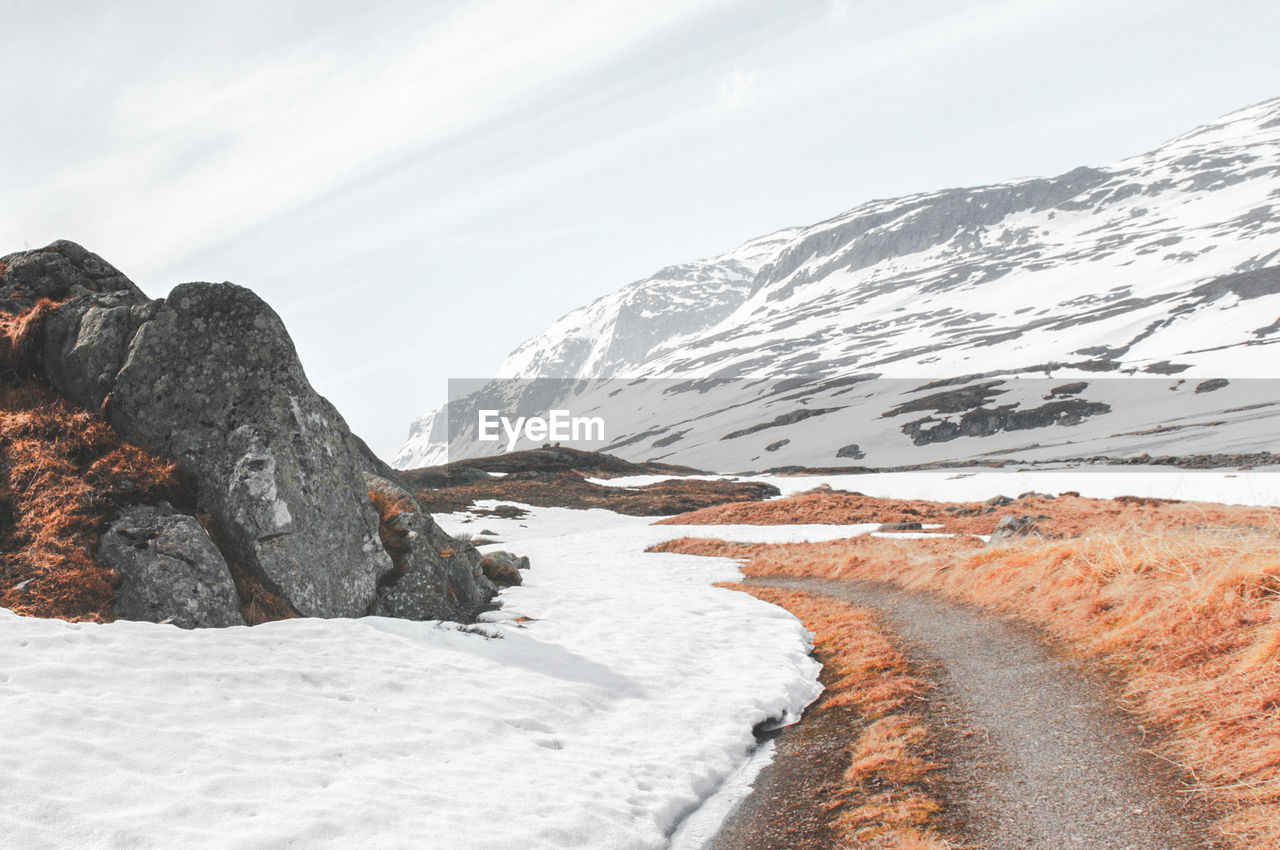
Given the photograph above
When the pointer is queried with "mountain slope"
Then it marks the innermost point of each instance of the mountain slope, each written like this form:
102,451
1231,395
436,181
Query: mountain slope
1163,264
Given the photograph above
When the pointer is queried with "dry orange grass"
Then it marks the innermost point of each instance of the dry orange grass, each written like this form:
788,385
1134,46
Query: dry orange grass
66,473
885,797
1067,515
1188,615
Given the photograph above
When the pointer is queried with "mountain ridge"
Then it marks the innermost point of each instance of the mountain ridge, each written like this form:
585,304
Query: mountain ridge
1134,268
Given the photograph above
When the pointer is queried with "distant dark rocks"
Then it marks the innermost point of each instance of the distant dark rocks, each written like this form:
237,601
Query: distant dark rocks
1211,385
983,421
772,447
851,451
1073,388
899,526
1164,367
171,572
998,501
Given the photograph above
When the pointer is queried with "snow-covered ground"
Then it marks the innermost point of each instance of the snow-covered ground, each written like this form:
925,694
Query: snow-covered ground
613,695
623,702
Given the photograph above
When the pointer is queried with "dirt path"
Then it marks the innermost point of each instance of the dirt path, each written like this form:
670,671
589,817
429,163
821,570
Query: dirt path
1039,756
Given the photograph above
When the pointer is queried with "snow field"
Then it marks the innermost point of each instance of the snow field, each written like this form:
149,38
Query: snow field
625,702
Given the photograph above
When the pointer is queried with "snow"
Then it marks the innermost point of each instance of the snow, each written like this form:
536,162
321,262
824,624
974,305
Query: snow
623,703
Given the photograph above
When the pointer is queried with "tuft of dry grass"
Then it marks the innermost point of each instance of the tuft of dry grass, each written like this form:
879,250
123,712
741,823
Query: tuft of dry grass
885,797
1181,601
389,506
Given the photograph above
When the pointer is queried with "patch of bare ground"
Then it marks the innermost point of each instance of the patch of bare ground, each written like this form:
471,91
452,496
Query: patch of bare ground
1178,603
862,770
569,489
545,459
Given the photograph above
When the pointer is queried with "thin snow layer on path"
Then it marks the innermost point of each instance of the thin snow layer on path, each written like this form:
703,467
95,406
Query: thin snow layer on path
625,702
1232,488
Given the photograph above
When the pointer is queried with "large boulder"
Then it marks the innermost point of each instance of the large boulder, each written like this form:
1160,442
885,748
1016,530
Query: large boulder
212,380
209,377
170,571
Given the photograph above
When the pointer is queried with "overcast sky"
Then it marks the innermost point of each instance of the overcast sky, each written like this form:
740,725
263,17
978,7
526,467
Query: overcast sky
417,187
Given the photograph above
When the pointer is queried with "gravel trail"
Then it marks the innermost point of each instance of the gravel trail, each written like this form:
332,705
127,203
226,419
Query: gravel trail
1041,755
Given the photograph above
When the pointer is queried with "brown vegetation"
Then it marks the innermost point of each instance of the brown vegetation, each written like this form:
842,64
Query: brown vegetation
545,460
572,490
1180,601
1066,515
66,473
881,789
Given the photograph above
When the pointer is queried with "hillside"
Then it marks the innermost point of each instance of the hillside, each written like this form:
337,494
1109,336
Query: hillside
1163,267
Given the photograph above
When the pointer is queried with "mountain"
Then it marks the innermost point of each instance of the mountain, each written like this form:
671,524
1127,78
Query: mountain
949,310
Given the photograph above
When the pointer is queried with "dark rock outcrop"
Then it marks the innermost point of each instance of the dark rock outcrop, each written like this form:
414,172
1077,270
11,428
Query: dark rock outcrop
436,576
503,568
213,381
171,572
209,377
57,272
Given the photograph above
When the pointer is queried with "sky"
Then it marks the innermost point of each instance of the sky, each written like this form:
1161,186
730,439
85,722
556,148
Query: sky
417,187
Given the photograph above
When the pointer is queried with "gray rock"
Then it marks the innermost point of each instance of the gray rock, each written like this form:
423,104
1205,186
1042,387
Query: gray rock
899,526
170,570
86,341
436,576
1011,526
998,501
56,272
212,380
503,568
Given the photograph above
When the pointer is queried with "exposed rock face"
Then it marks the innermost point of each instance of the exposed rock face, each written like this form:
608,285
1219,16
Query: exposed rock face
86,341
437,577
56,272
170,569
210,378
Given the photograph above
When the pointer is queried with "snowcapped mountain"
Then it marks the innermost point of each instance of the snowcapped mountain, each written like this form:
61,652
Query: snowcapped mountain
1165,264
